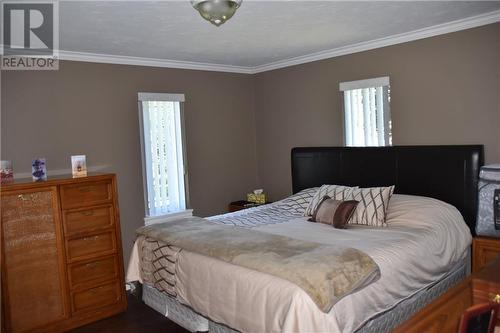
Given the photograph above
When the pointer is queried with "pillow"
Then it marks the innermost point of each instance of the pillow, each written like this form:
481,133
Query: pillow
334,212
372,207
298,202
336,192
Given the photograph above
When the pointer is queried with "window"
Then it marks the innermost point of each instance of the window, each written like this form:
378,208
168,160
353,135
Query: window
163,157
367,118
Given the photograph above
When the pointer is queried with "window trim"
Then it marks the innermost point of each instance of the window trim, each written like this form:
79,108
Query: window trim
167,97
148,220
163,97
367,83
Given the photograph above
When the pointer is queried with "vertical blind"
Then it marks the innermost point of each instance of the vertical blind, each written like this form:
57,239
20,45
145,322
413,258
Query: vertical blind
367,120
163,158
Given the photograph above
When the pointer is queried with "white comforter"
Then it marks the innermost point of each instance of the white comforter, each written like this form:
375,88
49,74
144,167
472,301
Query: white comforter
424,239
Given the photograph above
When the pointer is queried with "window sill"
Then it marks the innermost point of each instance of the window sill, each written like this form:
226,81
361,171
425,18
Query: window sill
148,220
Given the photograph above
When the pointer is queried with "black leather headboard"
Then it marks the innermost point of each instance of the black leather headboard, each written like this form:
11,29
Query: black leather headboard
447,173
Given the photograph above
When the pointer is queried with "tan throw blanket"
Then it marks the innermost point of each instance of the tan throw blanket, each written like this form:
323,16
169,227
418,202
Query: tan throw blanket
326,273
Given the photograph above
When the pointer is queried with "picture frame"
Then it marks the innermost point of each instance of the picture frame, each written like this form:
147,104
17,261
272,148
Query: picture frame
39,169
6,172
78,166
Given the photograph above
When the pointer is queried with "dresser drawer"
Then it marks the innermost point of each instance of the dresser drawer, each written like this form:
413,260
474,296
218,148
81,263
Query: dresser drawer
484,250
85,194
485,292
484,296
88,219
96,297
96,244
486,284
96,270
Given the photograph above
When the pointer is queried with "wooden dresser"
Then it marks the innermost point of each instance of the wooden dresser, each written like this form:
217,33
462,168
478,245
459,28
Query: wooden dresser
62,264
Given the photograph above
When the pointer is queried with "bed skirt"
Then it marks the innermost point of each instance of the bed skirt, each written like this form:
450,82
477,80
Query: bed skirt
383,322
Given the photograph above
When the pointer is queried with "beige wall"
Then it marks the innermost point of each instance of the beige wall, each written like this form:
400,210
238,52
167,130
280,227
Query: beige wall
444,90
91,109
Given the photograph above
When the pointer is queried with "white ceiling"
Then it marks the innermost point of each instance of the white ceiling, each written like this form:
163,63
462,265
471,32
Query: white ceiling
261,33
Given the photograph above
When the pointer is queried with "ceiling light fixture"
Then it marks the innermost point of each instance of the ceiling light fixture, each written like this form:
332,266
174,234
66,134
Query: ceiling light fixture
216,11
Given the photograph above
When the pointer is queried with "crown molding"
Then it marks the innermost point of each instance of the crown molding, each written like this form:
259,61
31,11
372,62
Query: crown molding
440,29
150,62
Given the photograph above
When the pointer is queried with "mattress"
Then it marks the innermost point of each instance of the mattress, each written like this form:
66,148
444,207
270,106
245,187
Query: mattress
425,240
384,322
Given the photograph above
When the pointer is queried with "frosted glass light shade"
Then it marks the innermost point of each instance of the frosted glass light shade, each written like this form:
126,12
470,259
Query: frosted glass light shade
216,11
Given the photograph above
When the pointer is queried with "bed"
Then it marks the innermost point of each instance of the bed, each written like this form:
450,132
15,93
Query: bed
423,251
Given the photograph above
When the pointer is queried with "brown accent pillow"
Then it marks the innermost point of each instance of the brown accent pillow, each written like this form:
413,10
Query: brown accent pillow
334,212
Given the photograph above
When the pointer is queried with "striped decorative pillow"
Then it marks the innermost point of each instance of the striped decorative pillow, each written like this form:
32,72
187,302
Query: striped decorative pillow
372,207
336,192
334,212
298,202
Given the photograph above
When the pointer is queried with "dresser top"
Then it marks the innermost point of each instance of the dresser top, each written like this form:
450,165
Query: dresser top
22,183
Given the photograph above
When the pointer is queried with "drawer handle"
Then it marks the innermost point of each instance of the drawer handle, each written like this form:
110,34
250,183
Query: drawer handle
494,297
93,238
94,290
25,197
92,264
88,213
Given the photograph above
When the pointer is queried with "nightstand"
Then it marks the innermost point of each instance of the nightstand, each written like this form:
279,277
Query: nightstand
484,250
242,204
